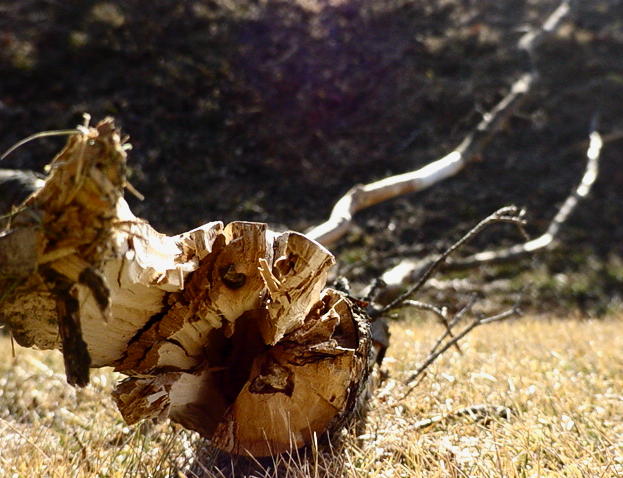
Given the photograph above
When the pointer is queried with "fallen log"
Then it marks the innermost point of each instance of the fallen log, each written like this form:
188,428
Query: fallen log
226,329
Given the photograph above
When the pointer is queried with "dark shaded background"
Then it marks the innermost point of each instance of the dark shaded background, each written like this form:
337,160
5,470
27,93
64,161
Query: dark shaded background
271,110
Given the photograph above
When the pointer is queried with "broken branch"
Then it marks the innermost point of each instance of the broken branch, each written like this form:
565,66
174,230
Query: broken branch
548,238
363,196
409,269
226,329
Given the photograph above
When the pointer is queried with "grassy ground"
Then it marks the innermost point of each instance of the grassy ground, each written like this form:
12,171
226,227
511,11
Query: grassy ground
562,380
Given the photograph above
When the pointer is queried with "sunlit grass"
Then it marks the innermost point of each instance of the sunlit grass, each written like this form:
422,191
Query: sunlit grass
51,429
562,379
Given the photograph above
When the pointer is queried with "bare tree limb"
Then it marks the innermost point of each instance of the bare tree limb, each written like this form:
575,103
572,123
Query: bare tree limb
363,196
510,214
546,239
409,268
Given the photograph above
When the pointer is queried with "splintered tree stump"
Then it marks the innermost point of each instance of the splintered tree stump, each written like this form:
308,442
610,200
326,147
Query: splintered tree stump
226,329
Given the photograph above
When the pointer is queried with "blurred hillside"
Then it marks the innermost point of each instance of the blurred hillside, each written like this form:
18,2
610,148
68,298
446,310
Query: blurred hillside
270,110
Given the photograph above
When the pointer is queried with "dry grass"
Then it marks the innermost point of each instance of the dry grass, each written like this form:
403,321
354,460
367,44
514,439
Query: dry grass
563,381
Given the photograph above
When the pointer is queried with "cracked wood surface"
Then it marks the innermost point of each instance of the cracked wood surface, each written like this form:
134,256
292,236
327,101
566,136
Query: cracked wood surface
227,329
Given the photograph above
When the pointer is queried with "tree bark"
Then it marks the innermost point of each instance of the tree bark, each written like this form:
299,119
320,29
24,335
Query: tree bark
226,329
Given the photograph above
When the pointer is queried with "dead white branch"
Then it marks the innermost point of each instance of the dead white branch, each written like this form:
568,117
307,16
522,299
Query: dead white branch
363,196
408,269
548,238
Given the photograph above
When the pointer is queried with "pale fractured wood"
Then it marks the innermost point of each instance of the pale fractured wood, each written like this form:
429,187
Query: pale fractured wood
86,224
283,398
293,285
226,329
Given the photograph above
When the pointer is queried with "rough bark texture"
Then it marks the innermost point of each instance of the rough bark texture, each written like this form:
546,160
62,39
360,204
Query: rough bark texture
228,330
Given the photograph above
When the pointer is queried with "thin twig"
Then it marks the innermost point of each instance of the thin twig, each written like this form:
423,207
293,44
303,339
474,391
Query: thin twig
475,412
546,239
434,355
42,134
510,214
377,285
25,438
441,312
455,320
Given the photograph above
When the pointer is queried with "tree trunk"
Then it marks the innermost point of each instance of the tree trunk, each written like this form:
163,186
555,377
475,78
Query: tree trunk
228,330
